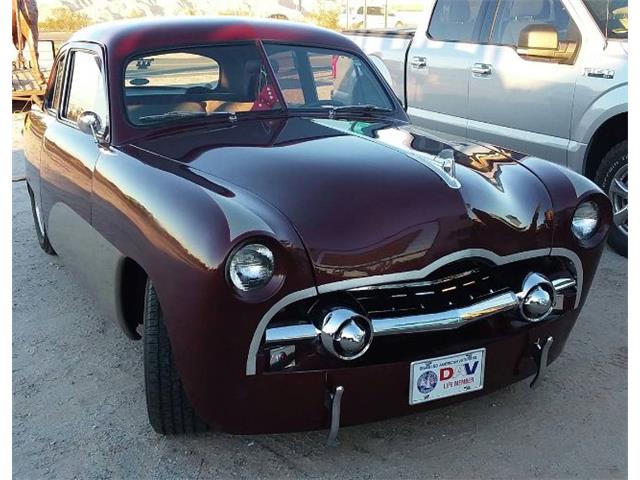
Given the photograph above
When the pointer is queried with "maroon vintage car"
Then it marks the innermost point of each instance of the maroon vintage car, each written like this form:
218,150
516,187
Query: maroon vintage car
252,198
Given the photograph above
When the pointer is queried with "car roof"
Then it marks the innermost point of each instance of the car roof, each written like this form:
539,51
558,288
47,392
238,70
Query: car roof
125,37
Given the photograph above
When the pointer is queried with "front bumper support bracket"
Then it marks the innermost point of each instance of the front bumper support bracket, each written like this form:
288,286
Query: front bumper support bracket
541,356
334,400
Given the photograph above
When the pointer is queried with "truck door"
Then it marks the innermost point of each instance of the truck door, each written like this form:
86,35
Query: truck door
521,101
438,64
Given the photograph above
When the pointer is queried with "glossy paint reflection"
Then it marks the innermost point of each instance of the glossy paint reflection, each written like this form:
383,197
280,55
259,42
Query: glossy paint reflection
369,196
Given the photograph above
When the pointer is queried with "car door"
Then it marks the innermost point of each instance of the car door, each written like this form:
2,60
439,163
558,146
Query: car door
69,155
438,63
519,101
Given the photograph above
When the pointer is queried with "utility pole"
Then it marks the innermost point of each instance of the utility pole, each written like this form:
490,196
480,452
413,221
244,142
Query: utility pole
348,15
386,12
364,12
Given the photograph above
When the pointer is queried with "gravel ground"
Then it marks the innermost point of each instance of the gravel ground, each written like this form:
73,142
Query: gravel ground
79,407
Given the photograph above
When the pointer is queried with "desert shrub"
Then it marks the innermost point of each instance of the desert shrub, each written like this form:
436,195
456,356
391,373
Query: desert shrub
326,17
136,13
64,20
240,11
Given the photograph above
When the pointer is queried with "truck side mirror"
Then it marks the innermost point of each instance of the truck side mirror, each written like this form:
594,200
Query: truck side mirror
541,42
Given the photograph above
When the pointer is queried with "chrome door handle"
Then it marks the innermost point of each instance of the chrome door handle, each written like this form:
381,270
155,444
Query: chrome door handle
483,69
418,63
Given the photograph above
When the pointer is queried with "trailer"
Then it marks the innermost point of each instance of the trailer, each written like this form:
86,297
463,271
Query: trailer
25,85
26,82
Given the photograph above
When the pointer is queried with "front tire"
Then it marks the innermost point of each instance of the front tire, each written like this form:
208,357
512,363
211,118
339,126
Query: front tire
613,177
169,409
41,231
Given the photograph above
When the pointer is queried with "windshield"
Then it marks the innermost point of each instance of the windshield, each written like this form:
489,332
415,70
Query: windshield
612,16
316,78
197,82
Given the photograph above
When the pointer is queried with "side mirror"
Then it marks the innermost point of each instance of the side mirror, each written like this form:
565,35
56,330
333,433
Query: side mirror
89,123
542,42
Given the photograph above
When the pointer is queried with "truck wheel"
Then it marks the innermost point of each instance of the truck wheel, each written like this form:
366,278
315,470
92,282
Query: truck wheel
168,407
41,232
613,177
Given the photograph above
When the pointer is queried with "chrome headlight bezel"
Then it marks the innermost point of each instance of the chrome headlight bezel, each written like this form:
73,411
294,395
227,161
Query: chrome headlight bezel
585,220
254,256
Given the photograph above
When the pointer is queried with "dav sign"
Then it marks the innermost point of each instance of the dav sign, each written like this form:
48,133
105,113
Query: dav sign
446,376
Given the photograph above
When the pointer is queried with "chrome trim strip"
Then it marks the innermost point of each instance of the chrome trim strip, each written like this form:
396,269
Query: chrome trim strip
423,272
406,276
424,283
447,320
291,333
560,284
266,318
575,259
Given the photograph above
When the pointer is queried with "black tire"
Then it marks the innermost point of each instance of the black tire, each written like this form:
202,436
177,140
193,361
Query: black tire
614,162
41,232
169,409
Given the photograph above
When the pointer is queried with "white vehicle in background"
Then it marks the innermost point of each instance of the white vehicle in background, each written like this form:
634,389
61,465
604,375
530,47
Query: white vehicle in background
279,10
544,77
375,18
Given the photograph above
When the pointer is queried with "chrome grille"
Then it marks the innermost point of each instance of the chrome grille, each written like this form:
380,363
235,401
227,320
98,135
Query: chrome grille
430,295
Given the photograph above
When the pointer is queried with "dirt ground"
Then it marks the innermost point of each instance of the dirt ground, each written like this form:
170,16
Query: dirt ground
79,406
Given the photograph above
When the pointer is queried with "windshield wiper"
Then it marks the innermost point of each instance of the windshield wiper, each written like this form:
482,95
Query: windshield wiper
367,108
181,114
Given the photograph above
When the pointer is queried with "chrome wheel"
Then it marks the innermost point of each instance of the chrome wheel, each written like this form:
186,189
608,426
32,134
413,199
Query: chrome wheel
619,196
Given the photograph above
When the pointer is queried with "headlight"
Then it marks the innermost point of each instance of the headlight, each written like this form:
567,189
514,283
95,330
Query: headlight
251,267
585,220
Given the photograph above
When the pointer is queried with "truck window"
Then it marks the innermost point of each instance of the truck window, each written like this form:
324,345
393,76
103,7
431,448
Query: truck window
454,20
513,15
615,12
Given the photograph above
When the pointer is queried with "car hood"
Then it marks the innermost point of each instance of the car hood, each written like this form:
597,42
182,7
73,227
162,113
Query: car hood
369,197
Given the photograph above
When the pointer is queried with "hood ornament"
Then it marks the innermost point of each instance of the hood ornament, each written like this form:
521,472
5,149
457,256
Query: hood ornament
447,162
443,164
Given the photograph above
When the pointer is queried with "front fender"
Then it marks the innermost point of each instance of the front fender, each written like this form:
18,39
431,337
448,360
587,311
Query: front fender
180,225
607,105
569,189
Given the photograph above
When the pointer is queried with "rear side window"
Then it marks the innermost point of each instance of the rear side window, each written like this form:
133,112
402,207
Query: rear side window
454,20
514,15
86,92
55,91
176,69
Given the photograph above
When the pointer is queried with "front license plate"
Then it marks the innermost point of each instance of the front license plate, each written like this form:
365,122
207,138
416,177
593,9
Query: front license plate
446,376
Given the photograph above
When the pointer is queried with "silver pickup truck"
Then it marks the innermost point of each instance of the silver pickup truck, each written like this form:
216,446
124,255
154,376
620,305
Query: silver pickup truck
545,77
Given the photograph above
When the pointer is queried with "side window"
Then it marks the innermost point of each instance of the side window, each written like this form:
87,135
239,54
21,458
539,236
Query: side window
454,20
86,92
514,15
177,69
55,90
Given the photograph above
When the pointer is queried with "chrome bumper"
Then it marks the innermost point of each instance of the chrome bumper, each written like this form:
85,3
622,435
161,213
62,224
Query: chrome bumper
445,320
